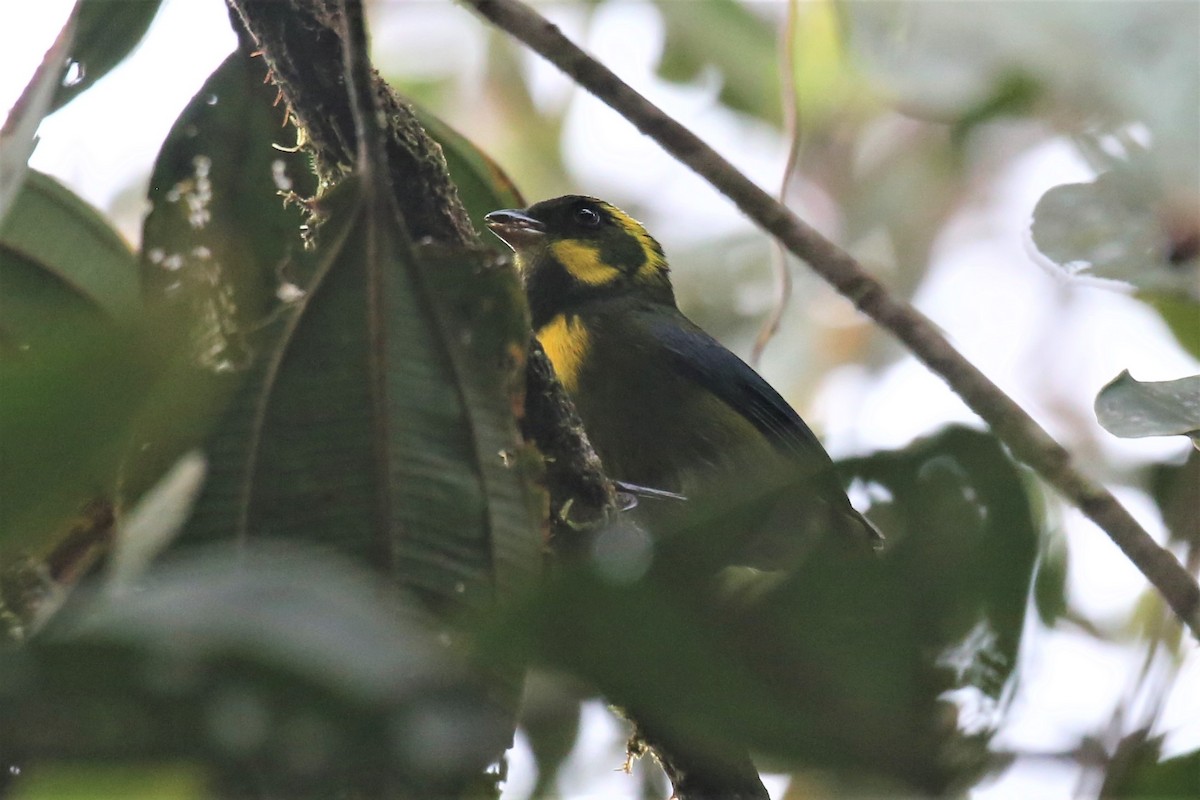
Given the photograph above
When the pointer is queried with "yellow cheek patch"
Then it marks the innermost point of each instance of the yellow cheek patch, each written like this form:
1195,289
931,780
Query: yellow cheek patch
584,263
565,341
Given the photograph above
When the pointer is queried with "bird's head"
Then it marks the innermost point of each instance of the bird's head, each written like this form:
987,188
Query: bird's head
572,250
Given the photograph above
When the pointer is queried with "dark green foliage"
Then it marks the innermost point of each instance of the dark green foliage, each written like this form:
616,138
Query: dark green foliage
285,672
842,663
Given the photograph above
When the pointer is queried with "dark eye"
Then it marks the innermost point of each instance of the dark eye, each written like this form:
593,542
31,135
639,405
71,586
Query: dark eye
587,217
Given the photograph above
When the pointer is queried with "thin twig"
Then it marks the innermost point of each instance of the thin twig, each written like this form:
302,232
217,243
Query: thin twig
791,124
1028,441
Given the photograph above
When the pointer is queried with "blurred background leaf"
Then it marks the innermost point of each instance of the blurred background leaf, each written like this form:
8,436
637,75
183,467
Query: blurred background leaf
728,38
235,666
1141,771
75,363
71,244
828,666
1113,228
1130,408
66,420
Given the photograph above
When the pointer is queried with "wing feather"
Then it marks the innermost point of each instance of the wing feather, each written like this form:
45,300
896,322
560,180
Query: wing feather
702,359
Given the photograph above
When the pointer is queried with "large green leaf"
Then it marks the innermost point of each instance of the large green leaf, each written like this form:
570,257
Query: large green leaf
379,417
106,32
374,408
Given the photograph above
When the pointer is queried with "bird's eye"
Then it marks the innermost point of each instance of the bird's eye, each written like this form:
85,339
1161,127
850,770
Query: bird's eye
587,217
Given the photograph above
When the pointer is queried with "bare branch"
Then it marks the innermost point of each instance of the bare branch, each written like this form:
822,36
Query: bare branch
1027,440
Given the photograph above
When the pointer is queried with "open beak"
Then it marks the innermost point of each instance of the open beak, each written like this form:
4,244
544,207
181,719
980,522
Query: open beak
515,228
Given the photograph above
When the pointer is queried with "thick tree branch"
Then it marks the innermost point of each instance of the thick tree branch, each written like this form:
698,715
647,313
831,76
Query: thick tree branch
299,40
1027,440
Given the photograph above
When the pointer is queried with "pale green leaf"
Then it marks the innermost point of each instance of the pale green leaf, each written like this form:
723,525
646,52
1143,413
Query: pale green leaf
1132,409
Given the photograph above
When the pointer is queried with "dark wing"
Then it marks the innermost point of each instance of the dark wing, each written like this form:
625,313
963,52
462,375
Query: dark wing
700,358
704,360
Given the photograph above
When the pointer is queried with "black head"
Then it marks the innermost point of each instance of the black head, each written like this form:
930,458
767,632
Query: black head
573,249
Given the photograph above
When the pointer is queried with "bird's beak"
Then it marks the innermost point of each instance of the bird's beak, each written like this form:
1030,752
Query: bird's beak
515,228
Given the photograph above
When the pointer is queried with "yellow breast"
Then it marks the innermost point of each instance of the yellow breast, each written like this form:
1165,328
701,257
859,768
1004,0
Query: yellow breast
565,341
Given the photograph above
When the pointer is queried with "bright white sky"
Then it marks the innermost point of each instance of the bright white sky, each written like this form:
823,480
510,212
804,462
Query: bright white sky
1050,343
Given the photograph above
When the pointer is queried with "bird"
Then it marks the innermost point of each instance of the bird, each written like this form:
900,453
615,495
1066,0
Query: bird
665,405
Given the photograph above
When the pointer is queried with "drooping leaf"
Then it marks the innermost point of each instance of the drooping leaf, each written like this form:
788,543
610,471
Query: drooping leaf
106,32
52,229
396,444
18,135
1131,409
